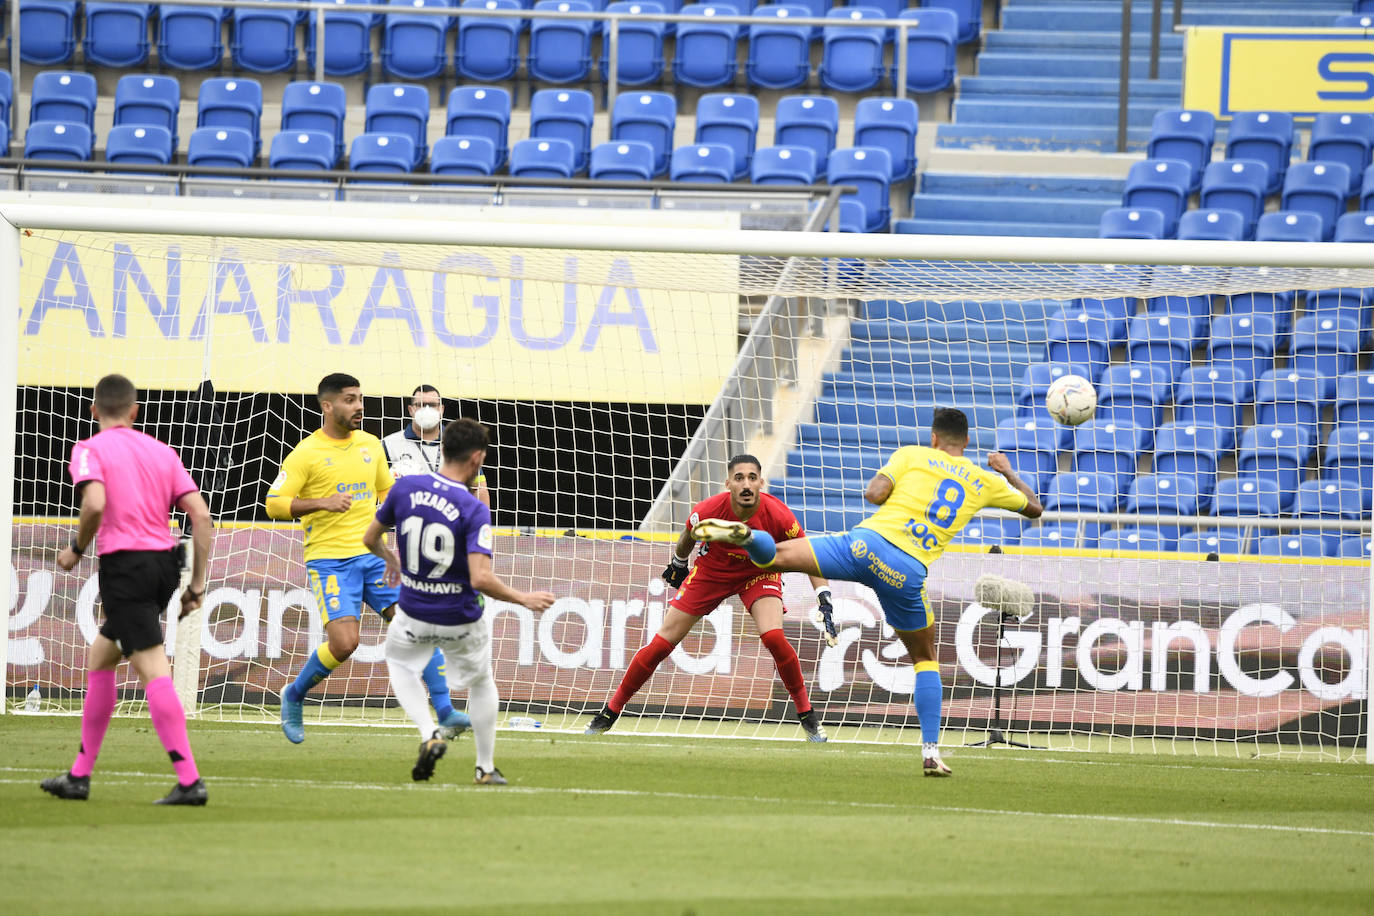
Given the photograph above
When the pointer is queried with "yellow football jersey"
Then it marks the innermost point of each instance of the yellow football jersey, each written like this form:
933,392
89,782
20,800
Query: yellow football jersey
321,466
933,496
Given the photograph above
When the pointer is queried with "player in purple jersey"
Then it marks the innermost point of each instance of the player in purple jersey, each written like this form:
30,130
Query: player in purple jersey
444,539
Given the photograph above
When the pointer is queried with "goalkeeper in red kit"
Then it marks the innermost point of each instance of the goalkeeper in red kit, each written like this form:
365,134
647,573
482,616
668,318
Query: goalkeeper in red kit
720,572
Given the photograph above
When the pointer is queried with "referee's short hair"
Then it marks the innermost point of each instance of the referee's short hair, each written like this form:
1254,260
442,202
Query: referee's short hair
462,437
951,423
427,389
334,383
114,395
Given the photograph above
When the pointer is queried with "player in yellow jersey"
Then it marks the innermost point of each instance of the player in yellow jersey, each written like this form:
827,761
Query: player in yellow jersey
333,482
925,496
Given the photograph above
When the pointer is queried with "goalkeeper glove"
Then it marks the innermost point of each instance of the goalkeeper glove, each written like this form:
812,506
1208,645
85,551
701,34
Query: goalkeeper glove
676,572
826,609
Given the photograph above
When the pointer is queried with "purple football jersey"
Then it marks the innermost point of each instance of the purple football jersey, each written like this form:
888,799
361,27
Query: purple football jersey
438,523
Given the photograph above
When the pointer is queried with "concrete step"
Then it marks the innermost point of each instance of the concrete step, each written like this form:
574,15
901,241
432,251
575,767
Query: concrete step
941,361
1041,110
1098,65
1164,92
949,331
1106,16
1082,210
1058,186
1084,40
975,227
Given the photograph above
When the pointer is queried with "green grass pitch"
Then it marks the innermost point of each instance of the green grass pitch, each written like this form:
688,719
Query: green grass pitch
634,825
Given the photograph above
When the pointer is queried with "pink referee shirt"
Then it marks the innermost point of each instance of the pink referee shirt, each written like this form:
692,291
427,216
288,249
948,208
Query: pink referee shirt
143,479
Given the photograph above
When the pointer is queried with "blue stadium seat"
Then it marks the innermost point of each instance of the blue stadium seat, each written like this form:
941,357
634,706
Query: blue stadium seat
1056,535
565,114
1161,340
1366,191
235,103
851,216
1355,399
220,147
640,59
969,13
783,165
1161,184
648,117
1107,447
1285,226
414,45
47,31
6,101
302,149
397,108
1320,188
1279,454
1352,303
1075,492
1134,393
1036,380
1238,496
462,156
116,34
264,40
141,99
560,50
1291,545
1277,306
1328,346
1081,338
703,163
1355,227
347,41
1191,452
480,111
1243,342
1032,447
315,107
146,144
852,57
1290,397
1354,20
623,160
382,152
488,47
890,124
1349,458
1164,494
1357,547
190,37
1212,396
809,121
1332,500
1266,136
705,49
1134,538
1131,223
1186,136
932,49
729,120
1196,309
1343,138
1211,225
1239,185
867,168
57,140
543,157
1217,541
64,97
779,52
991,529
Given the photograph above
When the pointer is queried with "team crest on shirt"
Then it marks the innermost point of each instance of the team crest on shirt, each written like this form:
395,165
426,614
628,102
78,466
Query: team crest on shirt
794,530
367,457
859,549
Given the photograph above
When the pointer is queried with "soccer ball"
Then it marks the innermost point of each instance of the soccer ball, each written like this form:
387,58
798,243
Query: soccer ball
1071,400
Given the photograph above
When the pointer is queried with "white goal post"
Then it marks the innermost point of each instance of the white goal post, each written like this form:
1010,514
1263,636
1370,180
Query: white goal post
606,357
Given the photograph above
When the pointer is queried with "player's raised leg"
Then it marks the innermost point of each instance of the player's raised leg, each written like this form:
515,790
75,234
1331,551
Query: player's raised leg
794,555
767,613
676,625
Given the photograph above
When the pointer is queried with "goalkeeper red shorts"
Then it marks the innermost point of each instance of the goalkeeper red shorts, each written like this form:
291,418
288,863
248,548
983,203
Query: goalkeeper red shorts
700,595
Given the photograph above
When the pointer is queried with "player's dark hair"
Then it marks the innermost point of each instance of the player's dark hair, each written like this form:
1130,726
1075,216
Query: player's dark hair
950,423
462,437
114,395
743,458
427,389
334,383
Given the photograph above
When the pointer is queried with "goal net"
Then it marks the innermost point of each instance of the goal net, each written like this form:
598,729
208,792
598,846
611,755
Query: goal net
1201,576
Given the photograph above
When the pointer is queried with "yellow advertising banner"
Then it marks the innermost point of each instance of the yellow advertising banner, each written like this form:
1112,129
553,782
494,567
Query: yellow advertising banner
255,316
1304,72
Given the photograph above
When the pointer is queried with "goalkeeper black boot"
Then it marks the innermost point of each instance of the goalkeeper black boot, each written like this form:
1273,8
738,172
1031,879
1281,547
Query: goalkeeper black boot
77,788
430,752
194,794
602,722
811,724
490,777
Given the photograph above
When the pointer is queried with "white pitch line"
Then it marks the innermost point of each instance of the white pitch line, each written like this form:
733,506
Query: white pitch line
478,791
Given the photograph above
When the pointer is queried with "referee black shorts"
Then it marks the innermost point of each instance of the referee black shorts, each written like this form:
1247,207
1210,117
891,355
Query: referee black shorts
135,586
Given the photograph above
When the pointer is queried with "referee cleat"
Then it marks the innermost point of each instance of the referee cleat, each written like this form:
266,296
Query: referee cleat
934,766
490,777
602,722
454,724
718,529
291,723
811,723
194,794
77,788
430,752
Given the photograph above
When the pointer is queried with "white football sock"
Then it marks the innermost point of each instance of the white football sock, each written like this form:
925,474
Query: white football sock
482,704
930,750
410,693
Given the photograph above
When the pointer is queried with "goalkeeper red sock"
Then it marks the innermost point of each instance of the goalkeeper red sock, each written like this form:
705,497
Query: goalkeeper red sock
641,667
789,668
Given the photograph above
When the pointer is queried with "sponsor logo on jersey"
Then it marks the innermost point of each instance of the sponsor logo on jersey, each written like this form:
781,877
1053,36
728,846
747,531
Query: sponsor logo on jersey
485,539
279,482
859,549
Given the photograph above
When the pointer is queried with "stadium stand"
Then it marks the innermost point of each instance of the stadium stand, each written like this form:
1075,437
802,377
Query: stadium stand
462,156
703,163
47,31
148,100
564,114
729,120
560,51
302,149
190,37
413,46
145,144
56,140
480,111
779,52
116,34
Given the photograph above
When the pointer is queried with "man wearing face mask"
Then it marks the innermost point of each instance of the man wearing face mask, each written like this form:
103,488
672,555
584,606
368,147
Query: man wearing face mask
414,449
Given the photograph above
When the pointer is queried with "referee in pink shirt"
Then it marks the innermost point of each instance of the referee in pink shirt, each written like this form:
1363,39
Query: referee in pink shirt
128,482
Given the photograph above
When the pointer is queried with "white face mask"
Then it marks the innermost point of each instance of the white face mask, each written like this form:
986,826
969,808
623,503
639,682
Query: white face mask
427,417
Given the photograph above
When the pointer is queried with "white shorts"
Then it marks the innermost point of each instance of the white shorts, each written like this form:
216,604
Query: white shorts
466,647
